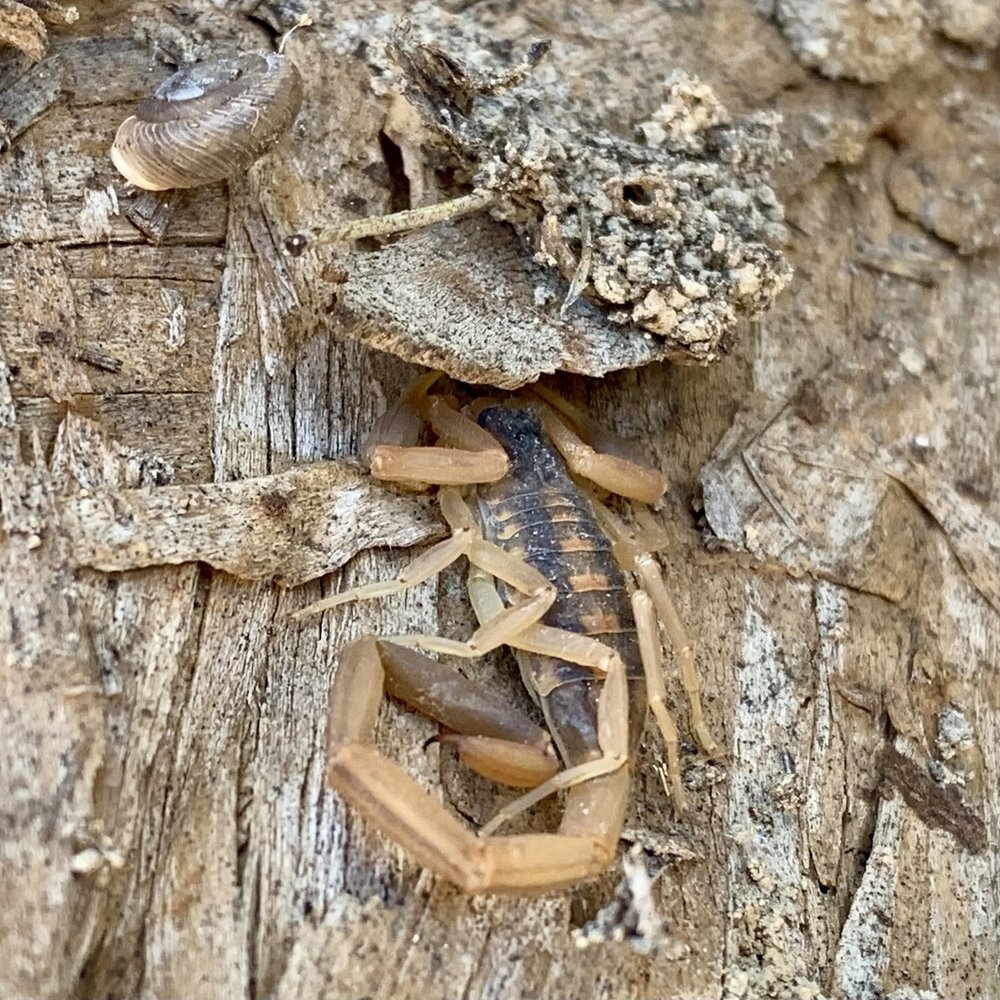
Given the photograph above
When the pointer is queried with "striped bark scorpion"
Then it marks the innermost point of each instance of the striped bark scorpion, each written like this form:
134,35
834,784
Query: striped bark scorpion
547,578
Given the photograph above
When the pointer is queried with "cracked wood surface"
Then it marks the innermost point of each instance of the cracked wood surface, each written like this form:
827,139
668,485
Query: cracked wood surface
164,827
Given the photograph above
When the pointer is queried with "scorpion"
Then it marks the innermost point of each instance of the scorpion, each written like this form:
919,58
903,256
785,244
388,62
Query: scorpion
548,578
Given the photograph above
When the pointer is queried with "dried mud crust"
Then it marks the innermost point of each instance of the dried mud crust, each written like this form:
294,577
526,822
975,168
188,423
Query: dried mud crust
674,231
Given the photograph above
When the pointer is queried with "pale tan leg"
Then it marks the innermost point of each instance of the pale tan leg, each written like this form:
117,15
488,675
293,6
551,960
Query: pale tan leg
385,794
588,771
499,631
542,639
464,541
656,692
426,565
634,557
652,581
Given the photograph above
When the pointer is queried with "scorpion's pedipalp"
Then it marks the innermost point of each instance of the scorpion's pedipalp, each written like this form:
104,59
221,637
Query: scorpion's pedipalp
402,423
457,429
436,466
599,437
473,456
619,475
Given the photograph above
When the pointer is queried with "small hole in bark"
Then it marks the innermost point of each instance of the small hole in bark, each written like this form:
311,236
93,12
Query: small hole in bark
638,194
399,183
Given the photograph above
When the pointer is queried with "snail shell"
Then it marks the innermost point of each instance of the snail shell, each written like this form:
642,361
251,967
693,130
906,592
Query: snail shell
208,122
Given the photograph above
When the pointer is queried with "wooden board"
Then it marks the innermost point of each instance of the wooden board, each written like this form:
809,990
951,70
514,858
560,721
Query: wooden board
164,825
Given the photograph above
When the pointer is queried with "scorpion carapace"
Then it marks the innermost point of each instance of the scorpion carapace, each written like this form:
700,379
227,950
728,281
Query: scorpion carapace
548,577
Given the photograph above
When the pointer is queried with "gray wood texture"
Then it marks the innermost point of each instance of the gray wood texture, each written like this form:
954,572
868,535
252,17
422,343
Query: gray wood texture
834,523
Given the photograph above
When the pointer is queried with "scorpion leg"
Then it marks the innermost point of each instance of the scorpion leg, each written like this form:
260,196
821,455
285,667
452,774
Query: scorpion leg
503,625
465,540
635,556
651,577
510,627
656,693
612,709
387,796
426,565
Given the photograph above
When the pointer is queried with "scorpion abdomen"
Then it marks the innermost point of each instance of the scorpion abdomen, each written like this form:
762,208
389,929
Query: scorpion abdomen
538,513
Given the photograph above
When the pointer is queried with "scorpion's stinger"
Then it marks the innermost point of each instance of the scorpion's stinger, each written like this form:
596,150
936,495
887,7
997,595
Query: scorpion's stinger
612,718
386,795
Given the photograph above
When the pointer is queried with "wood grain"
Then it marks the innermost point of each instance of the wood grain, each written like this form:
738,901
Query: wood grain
165,830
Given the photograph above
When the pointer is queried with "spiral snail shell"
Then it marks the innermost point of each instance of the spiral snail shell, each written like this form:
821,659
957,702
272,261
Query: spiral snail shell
208,122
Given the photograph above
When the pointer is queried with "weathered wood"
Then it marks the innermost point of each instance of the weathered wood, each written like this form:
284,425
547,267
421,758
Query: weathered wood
165,830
